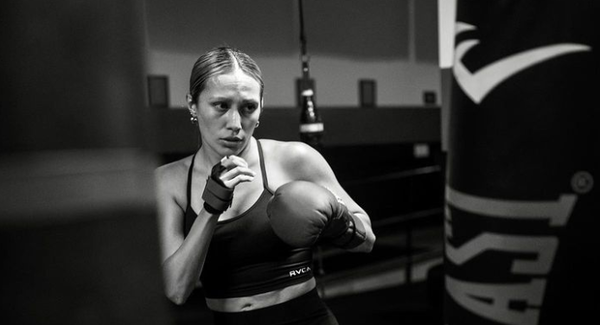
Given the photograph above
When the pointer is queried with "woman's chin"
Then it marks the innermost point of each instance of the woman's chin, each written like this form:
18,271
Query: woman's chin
232,148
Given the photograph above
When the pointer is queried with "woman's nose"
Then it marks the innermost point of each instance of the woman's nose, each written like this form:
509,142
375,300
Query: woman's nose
234,121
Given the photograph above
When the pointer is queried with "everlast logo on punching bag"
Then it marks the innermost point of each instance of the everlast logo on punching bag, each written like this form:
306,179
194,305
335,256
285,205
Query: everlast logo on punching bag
477,85
522,211
528,257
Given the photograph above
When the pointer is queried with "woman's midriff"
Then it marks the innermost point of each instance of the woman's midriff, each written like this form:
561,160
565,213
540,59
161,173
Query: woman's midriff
239,304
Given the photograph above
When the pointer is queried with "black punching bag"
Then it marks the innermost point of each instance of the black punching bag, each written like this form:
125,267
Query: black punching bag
78,237
522,204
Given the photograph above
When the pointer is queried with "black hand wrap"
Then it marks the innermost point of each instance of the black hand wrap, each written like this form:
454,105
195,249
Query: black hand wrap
217,197
343,229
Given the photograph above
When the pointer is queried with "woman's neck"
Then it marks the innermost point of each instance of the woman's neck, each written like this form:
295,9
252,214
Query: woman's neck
210,157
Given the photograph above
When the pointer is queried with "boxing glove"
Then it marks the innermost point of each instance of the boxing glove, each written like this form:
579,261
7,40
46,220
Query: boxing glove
302,213
217,197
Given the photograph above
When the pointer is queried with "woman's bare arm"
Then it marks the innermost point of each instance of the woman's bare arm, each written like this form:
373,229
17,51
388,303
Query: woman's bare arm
182,258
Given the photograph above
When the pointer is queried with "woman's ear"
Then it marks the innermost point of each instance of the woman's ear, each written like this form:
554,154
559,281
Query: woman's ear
190,105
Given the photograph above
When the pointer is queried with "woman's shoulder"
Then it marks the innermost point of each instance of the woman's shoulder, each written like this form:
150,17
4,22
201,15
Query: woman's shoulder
173,173
285,149
296,159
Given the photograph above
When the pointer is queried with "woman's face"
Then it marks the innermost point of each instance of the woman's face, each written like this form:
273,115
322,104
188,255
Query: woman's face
228,109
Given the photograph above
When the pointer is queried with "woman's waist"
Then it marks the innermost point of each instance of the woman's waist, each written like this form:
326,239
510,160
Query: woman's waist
223,279
262,300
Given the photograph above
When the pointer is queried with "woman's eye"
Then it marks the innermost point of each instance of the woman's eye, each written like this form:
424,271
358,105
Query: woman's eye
221,105
251,108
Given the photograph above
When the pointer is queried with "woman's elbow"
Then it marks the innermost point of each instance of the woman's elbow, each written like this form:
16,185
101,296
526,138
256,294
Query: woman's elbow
177,294
177,298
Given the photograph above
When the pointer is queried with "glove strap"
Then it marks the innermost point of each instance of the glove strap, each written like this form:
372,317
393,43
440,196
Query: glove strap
217,197
344,229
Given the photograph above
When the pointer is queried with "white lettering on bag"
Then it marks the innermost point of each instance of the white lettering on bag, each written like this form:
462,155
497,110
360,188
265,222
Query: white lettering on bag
299,271
533,255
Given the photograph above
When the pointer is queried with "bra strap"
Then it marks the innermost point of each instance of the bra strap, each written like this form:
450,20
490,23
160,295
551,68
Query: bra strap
189,181
262,166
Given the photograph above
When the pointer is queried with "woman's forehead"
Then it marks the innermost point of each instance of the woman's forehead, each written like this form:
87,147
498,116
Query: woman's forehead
236,80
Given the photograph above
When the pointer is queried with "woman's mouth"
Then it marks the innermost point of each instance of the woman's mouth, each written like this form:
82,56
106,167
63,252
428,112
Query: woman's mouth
232,141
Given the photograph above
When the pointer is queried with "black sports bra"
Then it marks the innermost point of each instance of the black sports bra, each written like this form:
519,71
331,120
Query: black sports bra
245,257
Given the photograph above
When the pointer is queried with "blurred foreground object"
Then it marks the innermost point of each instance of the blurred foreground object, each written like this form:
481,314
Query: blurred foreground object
77,220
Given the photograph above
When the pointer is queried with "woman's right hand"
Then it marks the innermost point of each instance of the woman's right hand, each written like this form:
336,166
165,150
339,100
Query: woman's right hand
236,171
227,174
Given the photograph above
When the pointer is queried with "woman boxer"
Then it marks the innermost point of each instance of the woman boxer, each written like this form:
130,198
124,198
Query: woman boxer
241,214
